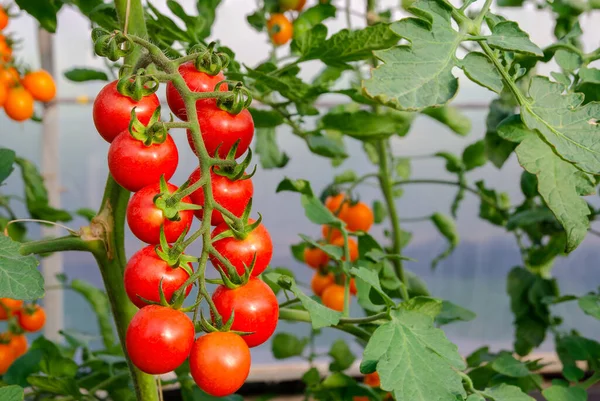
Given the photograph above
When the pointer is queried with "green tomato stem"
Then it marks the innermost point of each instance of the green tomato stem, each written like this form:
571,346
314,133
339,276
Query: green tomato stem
297,315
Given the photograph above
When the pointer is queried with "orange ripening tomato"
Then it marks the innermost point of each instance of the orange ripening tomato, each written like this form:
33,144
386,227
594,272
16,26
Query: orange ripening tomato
8,307
19,104
330,234
6,358
315,257
353,290
3,18
40,84
32,318
372,379
9,76
321,281
352,247
3,93
336,203
333,297
18,344
358,217
5,51
280,29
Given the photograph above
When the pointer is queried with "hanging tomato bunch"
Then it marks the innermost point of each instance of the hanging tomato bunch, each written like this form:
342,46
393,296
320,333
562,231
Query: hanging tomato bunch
21,318
328,281
18,92
142,158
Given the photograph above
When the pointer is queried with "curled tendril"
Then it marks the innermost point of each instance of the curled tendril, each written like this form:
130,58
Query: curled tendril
138,85
240,98
208,60
112,45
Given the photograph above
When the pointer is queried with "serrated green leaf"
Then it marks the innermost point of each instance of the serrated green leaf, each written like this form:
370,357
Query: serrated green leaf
559,393
364,125
11,393
453,313
447,228
568,60
558,183
420,370
85,75
19,277
343,358
474,155
433,44
452,117
590,305
508,365
345,46
564,123
267,149
285,345
504,392
507,35
479,69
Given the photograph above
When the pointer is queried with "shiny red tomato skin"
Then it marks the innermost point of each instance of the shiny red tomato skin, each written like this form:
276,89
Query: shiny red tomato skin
143,273
220,363
232,195
222,128
241,252
159,339
255,309
134,165
112,111
197,81
145,219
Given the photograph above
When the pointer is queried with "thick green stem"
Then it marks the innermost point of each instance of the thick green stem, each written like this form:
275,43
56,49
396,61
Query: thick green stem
387,188
296,315
69,243
131,20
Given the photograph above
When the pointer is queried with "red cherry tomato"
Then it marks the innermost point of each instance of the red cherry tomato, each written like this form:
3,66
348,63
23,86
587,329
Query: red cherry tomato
145,218
134,165
240,252
159,339
222,128
143,274
255,309
7,357
9,307
112,111
220,363
31,318
197,81
232,195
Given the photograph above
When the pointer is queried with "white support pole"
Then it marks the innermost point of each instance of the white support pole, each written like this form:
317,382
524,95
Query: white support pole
51,265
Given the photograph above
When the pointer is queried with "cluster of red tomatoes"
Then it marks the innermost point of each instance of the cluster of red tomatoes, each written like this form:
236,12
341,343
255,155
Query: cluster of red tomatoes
160,338
18,92
22,318
329,286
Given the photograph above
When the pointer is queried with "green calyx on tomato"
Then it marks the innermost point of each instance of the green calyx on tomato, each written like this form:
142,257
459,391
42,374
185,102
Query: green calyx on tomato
138,85
241,228
209,61
152,133
234,170
170,203
240,98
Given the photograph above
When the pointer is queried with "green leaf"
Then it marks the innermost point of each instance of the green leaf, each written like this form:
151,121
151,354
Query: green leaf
528,217
423,368
86,213
23,367
310,40
371,279
475,397
298,251
453,313
453,163
19,277
504,392
568,60
312,377
589,84
346,177
426,305
479,69
285,345
326,146
494,209
403,168
346,46
452,117
559,184
431,38
53,363
508,365
43,11
257,20
590,305
561,78
364,125
85,74
56,385
100,304
11,393
447,228
512,129
474,155
559,393
271,280
333,251
265,118
480,356
311,17
268,151
507,35
564,123
7,158
379,211
320,315
497,149
342,356
328,76
207,9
